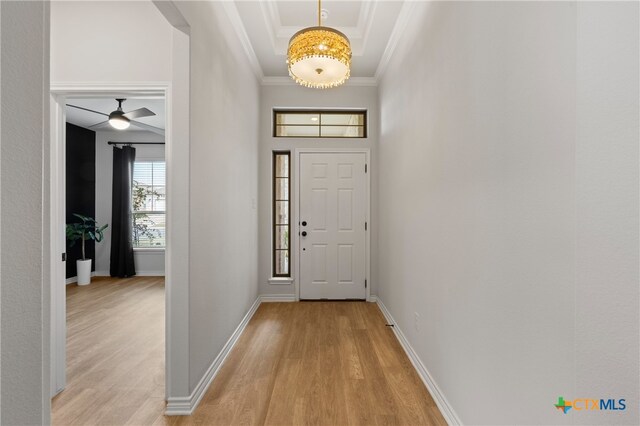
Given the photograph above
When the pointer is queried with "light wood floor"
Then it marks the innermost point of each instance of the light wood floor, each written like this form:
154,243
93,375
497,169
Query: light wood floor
308,363
316,363
115,353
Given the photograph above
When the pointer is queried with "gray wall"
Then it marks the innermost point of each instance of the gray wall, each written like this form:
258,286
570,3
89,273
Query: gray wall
607,189
223,184
295,96
24,308
509,205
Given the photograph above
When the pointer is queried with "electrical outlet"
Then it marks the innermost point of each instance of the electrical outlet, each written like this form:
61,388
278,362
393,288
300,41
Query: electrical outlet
416,320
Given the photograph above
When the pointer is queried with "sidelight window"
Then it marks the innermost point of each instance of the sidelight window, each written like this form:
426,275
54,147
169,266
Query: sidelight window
281,214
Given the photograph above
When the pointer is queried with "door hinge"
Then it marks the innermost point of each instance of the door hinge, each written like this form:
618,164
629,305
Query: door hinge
64,257
365,283
365,167
365,226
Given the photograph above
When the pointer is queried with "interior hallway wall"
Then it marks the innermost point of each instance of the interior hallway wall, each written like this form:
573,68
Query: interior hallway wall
295,96
148,262
114,41
24,213
509,205
223,175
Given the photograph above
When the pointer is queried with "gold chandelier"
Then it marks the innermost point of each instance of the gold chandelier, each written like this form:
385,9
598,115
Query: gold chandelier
319,57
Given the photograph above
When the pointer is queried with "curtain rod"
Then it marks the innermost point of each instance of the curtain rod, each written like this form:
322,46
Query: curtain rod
135,143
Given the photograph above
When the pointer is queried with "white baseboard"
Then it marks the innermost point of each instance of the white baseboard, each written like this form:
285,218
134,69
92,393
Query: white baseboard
138,274
441,401
149,273
184,406
278,298
74,280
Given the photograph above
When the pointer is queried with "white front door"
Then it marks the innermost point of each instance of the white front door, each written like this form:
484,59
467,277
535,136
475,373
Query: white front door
333,215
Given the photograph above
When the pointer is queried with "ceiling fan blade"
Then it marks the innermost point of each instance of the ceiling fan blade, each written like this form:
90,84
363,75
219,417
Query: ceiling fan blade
87,109
156,130
99,125
138,113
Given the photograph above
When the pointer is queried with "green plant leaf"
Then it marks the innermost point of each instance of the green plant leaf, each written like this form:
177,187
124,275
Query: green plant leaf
82,218
87,229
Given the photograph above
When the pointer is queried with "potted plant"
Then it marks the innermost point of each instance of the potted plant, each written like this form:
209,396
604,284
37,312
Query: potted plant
87,228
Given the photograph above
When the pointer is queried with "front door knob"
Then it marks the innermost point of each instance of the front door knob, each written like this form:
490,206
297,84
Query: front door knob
304,233
304,223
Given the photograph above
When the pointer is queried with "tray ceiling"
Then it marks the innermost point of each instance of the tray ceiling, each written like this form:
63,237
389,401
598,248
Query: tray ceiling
269,24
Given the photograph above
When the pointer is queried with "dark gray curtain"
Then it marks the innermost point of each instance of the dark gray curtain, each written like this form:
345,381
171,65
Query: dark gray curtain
122,263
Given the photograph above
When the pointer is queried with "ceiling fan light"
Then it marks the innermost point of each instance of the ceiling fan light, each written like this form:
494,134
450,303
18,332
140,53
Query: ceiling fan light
117,120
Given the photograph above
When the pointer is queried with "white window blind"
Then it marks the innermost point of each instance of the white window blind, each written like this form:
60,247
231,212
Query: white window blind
149,204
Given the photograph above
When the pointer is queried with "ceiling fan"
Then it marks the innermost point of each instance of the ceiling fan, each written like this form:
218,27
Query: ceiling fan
118,119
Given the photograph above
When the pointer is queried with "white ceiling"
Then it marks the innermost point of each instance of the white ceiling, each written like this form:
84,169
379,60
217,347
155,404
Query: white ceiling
106,105
267,25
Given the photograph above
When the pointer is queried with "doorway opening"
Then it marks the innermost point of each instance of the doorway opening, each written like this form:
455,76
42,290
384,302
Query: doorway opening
108,337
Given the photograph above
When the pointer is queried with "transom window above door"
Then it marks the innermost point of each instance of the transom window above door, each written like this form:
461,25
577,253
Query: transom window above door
319,124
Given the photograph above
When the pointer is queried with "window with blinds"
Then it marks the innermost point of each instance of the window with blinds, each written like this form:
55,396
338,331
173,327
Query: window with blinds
149,204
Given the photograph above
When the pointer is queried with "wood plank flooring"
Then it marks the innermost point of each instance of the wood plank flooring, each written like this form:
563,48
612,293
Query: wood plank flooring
115,353
307,363
316,363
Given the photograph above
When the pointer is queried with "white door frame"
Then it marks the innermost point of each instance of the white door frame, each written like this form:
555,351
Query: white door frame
296,216
59,94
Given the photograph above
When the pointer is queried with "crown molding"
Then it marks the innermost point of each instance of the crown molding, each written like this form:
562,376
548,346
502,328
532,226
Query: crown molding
287,81
362,81
236,22
271,21
172,14
366,21
408,8
367,11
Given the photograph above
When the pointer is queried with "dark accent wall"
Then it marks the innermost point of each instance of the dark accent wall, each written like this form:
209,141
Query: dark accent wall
80,188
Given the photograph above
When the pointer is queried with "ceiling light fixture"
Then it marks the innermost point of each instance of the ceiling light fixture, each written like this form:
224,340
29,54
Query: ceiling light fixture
319,57
117,120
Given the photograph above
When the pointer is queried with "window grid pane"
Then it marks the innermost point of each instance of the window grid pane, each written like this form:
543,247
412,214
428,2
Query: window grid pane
281,214
282,189
149,204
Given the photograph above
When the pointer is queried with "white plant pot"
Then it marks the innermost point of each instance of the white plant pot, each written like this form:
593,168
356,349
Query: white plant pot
84,271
